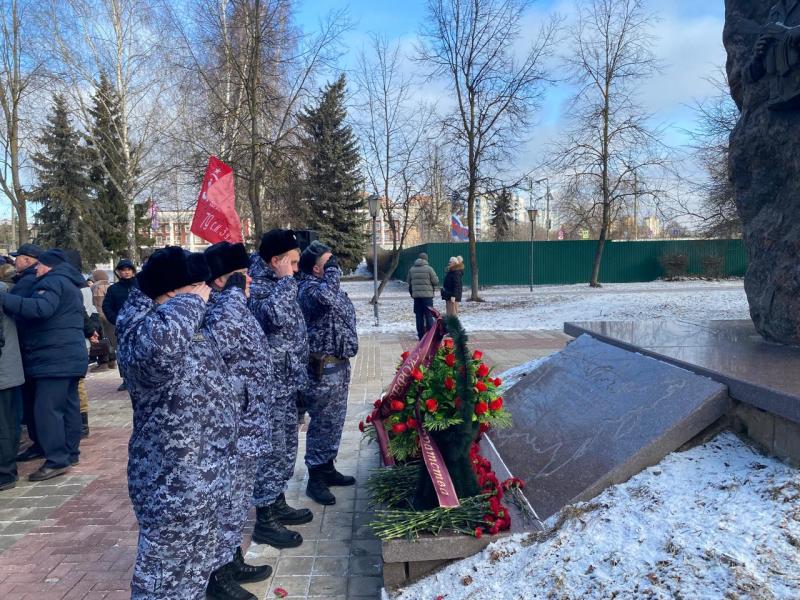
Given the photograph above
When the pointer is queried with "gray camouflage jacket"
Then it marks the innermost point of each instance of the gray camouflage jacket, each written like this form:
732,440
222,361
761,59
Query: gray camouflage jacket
183,422
329,313
273,301
243,346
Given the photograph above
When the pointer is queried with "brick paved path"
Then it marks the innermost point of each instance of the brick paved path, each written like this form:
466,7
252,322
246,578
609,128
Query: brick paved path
75,536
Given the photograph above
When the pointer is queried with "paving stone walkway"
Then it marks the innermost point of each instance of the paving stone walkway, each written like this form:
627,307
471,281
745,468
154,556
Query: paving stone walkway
75,536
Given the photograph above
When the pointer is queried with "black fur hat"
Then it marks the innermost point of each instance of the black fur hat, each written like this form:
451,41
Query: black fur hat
311,255
224,258
170,268
277,241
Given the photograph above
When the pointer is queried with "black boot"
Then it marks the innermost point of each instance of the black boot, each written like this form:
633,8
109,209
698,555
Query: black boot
290,516
241,572
317,488
221,586
269,530
333,477
84,425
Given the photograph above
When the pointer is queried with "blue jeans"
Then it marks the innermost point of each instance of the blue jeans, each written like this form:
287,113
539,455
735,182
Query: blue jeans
424,317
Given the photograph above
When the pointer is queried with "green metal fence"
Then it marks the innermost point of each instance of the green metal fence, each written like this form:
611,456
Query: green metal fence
562,262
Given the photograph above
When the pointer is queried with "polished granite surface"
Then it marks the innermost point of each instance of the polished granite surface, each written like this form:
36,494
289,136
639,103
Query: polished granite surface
757,372
593,415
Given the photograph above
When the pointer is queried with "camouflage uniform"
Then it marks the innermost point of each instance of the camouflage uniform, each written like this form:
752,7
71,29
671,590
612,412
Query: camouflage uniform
182,437
273,301
243,346
331,321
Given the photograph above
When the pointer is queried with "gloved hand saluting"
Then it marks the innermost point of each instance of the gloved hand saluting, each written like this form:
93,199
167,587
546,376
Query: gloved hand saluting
332,262
236,280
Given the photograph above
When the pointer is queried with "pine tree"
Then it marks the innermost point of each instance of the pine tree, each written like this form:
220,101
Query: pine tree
333,181
66,218
107,171
502,215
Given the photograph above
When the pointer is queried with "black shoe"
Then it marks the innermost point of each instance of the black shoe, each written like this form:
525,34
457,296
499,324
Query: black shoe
269,530
47,473
333,477
84,425
122,387
241,572
74,461
317,489
290,516
8,485
221,586
32,453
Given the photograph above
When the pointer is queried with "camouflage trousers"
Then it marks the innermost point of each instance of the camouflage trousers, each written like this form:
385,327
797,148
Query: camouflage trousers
233,514
175,560
327,407
276,467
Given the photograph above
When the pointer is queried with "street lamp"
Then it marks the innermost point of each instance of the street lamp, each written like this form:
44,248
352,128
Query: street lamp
546,181
372,203
532,214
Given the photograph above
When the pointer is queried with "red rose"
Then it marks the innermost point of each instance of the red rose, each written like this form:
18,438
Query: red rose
280,592
449,383
404,356
483,370
361,426
458,402
494,529
478,532
477,355
450,360
481,408
376,404
399,427
498,382
480,386
369,418
411,423
417,374
448,343
397,405
431,405
497,403
484,427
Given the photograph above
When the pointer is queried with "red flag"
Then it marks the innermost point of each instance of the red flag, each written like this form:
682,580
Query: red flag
215,219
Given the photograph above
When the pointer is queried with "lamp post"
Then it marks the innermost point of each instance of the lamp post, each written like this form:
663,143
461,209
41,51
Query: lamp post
372,203
546,181
532,214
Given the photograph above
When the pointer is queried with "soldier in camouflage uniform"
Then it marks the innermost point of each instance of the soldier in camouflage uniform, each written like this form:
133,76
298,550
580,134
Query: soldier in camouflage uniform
243,347
332,339
183,427
273,301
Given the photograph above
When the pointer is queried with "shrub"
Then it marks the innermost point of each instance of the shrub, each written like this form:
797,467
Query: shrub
713,267
675,266
384,261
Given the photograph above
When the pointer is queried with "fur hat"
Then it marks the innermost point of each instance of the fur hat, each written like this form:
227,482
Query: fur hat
311,255
170,268
277,241
224,258
52,258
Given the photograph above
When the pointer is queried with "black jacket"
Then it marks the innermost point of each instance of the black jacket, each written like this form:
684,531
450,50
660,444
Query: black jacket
53,343
116,296
452,284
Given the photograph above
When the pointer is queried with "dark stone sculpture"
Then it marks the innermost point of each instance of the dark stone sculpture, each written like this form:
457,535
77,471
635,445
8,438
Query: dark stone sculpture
762,39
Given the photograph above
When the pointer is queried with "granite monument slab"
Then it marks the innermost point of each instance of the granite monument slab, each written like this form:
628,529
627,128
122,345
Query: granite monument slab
594,415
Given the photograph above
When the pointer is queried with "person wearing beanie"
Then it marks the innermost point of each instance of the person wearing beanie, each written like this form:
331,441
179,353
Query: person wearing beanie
332,340
243,348
115,299
273,301
99,292
422,283
452,288
54,358
183,425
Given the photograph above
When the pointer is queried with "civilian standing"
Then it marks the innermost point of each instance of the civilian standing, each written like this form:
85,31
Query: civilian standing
99,291
422,283
11,380
116,296
451,289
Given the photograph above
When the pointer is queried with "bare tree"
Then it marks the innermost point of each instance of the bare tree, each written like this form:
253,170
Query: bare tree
19,73
470,43
394,130
609,142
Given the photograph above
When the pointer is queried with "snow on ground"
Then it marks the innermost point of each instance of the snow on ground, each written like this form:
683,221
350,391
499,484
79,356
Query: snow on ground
717,521
513,308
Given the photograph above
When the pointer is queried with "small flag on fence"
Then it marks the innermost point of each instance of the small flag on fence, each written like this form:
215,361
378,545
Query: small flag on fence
458,232
215,218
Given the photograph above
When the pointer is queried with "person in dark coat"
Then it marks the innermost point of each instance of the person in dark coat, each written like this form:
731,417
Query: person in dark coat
451,288
54,356
25,260
11,379
273,301
116,296
242,345
422,283
332,341
183,426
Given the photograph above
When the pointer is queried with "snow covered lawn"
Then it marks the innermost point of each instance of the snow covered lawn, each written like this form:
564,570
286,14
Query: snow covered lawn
717,521
511,308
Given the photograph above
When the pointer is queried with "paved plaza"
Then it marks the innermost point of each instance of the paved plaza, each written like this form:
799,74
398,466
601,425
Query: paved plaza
74,536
